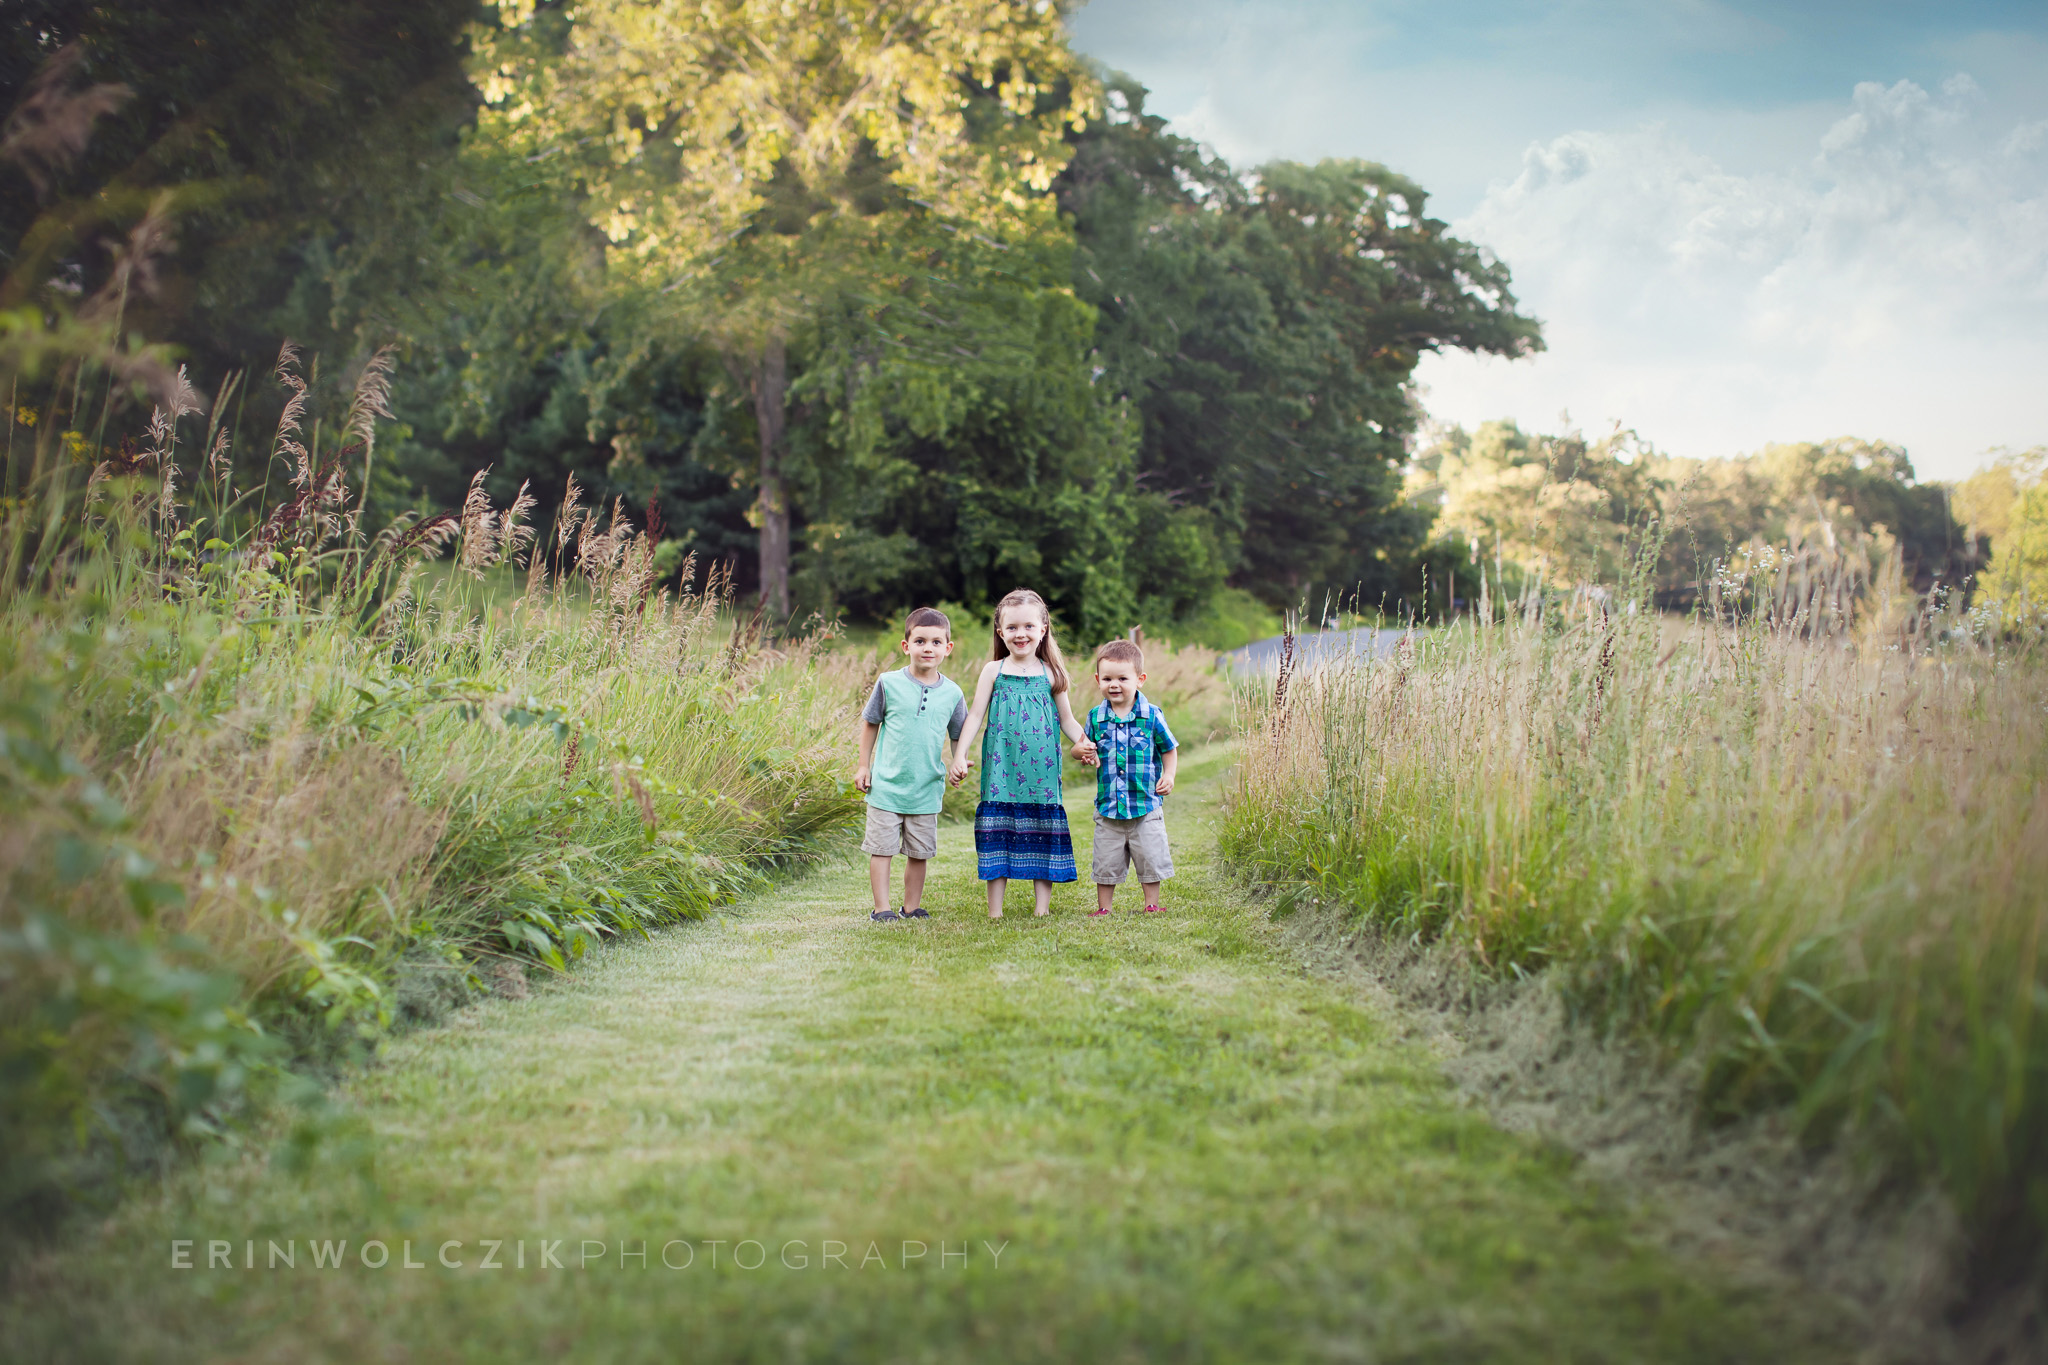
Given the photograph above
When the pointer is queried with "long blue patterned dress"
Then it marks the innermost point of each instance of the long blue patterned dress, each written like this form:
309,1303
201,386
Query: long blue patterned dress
1020,827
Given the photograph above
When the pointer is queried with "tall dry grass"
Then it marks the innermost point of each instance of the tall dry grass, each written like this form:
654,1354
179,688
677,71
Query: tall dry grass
272,785
1811,859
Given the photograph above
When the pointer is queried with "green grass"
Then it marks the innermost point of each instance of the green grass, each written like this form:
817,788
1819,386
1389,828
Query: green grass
257,809
1814,865
1230,619
1188,1148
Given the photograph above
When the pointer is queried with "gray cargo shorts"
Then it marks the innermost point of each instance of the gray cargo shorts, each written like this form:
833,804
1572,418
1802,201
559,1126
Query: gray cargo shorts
1135,845
890,833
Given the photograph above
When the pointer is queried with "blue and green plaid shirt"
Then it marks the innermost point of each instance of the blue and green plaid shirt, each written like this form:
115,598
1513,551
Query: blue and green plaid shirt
1128,751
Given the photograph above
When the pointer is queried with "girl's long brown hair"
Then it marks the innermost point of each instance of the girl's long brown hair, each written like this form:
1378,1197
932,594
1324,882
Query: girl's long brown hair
1048,648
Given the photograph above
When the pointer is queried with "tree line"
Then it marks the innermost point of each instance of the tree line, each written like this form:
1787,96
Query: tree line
883,303
1578,511
879,304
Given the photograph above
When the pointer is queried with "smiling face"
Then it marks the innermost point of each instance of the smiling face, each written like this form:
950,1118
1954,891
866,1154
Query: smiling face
926,645
1020,629
1118,679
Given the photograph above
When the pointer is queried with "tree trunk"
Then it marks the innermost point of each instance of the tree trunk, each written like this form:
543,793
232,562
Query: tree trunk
771,385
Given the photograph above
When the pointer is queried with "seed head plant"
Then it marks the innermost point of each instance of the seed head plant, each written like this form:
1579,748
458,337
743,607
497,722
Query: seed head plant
1799,839
275,786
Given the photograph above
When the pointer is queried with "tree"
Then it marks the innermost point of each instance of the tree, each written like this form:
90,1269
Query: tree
1572,510
2017,577
300,146
1868,487
748,160
1983,502
1266,329
1579,512
972,453
2005,505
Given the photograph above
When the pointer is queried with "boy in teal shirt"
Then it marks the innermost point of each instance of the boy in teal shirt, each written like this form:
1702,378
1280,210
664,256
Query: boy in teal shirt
910,718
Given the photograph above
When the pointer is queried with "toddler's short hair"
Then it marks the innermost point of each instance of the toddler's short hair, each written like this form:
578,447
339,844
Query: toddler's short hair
928,616
1122,652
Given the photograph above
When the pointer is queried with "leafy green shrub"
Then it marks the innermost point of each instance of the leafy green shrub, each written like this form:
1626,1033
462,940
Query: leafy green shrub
112,1044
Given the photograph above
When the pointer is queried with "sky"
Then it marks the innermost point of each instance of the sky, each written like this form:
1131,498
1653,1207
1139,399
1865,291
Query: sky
1739,222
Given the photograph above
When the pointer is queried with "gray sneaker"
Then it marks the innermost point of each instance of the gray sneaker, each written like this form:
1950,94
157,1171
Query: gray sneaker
884,916
916,914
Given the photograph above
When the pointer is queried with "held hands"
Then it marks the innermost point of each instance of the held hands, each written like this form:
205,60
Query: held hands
1085,751
958,773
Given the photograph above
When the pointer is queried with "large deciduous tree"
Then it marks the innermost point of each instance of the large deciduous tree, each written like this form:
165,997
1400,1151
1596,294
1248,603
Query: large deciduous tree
1267,328
293,149
749,160
956,455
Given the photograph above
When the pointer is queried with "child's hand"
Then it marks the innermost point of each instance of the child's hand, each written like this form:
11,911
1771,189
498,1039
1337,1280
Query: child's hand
862,778
1085,751
1165,784
959,772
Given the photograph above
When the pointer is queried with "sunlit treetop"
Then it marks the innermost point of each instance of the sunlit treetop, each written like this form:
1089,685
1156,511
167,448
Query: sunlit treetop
691,125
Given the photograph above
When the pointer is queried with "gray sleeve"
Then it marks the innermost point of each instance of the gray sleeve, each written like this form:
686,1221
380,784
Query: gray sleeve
877,707
958,721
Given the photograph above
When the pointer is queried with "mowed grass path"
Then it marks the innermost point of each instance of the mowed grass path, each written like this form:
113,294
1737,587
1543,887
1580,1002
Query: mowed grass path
1181,1147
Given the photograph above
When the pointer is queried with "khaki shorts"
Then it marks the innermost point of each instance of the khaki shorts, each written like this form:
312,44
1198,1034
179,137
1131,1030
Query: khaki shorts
888,834
1138,845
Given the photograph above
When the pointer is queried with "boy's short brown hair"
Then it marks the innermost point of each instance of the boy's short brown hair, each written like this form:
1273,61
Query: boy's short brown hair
928,616
1120,651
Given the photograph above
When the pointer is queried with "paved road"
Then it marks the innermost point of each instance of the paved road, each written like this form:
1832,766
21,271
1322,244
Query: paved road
1263,656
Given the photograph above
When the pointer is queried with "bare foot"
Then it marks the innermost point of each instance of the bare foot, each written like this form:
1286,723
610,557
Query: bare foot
1036,913
995,914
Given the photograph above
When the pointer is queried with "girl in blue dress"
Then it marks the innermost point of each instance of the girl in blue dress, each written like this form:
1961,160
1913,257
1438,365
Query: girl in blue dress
1020,827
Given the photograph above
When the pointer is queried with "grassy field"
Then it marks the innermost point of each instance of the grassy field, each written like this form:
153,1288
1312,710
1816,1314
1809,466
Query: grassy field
1152,1137
261,801
1808,860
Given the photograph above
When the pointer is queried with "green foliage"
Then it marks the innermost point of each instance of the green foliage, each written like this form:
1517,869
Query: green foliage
1250,1158
1176,558
1564,507
864,342
1230,619
112,1042
976,437
303,147
1814,870
1264,330
2005,505
259,788
773,159
1567,509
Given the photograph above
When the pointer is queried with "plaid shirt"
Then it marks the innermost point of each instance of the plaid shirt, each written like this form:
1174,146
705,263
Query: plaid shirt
1128,751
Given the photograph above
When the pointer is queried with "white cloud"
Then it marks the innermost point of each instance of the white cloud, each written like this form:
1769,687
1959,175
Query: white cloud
1894,285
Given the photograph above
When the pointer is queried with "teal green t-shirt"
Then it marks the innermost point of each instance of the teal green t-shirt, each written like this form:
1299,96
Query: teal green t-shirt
909,771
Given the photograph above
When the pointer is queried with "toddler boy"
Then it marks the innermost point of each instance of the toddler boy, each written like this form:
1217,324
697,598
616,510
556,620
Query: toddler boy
1136,755
910,718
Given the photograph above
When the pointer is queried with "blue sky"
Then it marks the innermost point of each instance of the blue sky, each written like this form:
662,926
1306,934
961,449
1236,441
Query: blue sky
1740,222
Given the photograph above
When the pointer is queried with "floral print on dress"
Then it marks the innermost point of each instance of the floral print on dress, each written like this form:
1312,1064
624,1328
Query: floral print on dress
1020,828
